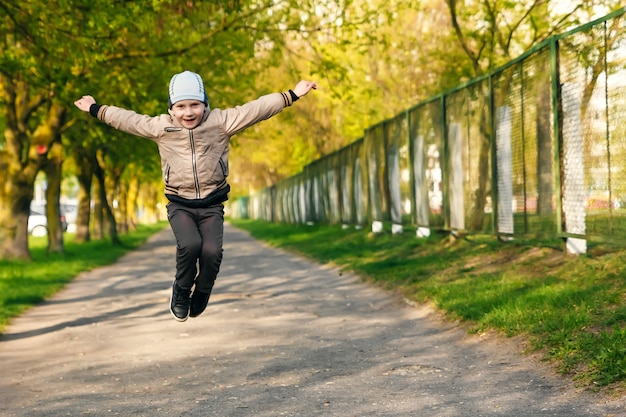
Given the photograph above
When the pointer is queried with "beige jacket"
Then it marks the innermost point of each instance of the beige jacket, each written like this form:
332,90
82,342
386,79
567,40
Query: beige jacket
194,162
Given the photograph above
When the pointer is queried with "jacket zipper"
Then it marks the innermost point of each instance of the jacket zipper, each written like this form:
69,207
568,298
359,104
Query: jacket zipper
194,164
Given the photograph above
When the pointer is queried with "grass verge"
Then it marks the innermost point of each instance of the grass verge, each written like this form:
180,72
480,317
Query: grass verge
26,283
569,310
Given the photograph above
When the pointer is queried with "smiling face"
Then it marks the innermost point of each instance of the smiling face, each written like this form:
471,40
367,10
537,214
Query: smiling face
188,112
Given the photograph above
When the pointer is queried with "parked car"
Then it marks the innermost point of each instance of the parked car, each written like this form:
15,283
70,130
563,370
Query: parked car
38,222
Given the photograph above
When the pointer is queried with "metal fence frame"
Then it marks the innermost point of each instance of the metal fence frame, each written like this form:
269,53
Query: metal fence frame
515,153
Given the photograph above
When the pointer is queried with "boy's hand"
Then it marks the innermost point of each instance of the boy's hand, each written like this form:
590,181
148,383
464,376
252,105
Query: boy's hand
84,103
303,87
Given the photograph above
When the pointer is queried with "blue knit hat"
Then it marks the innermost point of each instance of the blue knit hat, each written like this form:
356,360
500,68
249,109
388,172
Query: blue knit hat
186,85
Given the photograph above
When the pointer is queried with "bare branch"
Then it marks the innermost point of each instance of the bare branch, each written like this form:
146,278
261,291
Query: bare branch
461,38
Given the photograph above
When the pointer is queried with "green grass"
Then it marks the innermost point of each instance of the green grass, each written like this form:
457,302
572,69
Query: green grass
570,310
26,283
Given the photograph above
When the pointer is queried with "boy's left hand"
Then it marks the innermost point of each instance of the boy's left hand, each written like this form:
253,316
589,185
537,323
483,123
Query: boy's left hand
303,87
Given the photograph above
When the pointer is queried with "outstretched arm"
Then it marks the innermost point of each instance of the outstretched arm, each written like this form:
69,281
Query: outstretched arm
238,118
84,103
121,119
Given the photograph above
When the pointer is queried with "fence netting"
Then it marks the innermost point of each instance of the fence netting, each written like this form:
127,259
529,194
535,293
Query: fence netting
535,149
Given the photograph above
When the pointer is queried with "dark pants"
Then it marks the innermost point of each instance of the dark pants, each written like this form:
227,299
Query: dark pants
199,236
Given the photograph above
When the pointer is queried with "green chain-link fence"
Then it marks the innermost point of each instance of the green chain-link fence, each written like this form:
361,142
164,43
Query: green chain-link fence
535,149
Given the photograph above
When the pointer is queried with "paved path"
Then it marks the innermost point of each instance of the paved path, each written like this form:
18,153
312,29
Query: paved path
282,337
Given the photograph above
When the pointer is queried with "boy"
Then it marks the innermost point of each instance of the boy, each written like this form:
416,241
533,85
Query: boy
193,142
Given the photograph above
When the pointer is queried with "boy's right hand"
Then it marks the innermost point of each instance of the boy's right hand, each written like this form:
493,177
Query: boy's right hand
84,103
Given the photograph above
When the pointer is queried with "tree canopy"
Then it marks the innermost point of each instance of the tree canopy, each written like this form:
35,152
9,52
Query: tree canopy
371,58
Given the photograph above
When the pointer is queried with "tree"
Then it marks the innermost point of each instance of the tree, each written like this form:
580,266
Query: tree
24,152
53,52
32,81
372,59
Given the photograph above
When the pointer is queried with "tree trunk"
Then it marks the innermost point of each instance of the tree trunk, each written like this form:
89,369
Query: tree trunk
131,205
114,196
15,198
105,214
98,217
544,149
47,140
83,216
52,168
123,209
477,215
84,173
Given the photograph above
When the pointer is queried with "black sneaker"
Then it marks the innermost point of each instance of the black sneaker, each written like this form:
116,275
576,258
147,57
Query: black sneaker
199,301
179,302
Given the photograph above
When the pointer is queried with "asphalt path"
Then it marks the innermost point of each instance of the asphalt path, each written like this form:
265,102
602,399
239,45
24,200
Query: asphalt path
282,336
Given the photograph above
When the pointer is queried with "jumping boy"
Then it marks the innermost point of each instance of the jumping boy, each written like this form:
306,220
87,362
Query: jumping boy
193,143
